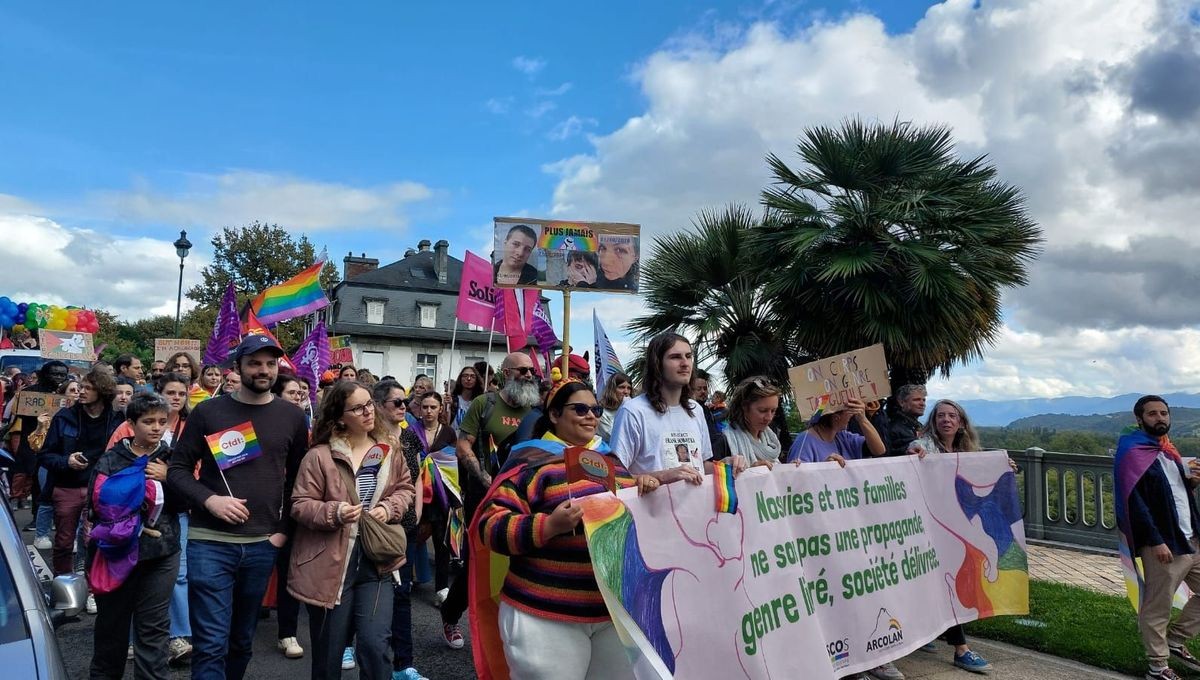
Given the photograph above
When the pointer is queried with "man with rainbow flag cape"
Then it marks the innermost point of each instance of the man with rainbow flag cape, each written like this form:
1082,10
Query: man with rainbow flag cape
536,609
1157,517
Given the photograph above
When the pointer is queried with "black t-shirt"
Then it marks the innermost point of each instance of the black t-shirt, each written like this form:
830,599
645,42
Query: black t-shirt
280,433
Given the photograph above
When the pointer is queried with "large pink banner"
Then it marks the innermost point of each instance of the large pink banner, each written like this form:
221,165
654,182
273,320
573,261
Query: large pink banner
476,294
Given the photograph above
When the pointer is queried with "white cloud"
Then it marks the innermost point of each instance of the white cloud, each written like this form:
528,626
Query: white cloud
240,196
540,108
530,66
1058,94
554,92
498,105
130,277
569,127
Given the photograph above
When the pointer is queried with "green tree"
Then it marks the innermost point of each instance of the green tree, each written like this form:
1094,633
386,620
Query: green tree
254,258
705,285
137,337
885,235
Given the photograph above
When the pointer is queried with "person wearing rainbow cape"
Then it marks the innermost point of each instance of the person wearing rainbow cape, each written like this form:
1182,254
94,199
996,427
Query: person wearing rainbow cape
549,619
1156,513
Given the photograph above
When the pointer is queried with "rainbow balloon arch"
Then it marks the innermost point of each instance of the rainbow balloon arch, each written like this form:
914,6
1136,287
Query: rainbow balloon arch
22,317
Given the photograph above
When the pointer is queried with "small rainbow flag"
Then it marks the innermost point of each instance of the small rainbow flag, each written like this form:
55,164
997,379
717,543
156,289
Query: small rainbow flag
822,404
297,296
569,238
234,446
723,489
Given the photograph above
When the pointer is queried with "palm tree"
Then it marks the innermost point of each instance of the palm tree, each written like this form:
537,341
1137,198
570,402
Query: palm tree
887,236
704,285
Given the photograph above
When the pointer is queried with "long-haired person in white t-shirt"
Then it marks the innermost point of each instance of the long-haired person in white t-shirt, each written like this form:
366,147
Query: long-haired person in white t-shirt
649,431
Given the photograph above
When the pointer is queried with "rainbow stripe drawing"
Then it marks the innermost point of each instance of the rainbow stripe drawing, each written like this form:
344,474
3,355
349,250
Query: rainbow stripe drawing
569,237
234,446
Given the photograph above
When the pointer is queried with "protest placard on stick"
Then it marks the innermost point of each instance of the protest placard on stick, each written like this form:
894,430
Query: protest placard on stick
860,374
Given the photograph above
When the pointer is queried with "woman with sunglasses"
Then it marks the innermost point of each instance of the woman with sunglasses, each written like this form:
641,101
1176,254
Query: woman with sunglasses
330,573
751,410
552,619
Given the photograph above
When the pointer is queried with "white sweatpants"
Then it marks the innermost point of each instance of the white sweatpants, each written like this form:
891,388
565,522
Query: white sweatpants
543,649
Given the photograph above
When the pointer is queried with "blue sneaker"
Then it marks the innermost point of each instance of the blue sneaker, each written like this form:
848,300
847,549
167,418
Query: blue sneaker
409,673
929,647
348,659
970,661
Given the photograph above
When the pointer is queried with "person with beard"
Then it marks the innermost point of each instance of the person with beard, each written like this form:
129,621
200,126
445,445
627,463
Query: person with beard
483,440
1156,513
904,424
238,506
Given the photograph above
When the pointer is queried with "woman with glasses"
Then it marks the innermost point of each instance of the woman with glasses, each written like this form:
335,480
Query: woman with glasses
184,364
552,619
330,573
466,388
751,410
617,389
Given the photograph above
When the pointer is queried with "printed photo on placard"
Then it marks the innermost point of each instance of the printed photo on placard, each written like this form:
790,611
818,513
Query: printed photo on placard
681,448
563,255
516,256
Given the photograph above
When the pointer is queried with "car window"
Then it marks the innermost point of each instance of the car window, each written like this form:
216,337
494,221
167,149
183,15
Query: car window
12,618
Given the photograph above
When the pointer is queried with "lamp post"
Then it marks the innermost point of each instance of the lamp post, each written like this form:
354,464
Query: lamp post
182,246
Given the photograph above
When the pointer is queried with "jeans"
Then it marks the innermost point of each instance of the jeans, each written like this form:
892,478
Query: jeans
68,507
225,589
402,641
181,625
44,520
366,608
141,601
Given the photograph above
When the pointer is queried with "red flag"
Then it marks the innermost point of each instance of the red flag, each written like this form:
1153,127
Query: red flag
583,463
516,314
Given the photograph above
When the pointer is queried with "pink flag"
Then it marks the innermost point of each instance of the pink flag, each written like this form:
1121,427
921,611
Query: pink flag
476,295
514,314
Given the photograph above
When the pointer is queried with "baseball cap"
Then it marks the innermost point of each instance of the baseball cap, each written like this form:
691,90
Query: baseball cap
255,343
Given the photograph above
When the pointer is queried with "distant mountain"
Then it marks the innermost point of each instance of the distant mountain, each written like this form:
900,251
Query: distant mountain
1184,422
1000,413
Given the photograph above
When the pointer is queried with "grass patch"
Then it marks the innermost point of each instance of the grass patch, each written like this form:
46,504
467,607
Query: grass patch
1082,625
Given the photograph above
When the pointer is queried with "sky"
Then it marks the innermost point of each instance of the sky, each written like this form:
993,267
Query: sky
373,126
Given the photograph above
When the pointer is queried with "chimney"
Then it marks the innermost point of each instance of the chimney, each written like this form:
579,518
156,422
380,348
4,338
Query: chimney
355,266
423,246
441,259
409,253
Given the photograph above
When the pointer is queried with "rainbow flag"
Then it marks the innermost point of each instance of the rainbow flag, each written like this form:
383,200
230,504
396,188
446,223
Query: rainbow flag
723,490
234,446
295,297
822,404
568,238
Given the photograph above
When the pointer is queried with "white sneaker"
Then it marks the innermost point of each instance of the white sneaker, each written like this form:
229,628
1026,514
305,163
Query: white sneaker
290,648
440,597
887,671
129,654
178,650
91,605
43,543
348,659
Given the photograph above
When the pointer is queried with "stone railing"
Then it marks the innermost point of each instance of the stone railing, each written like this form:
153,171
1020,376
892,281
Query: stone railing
1068,497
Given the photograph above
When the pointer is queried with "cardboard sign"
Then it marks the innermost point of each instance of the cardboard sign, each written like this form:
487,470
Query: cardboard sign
566,255
36,403
66,345
861,374
165,347
586,464
340,351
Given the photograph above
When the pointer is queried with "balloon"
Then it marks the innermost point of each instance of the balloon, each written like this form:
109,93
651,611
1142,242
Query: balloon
23,307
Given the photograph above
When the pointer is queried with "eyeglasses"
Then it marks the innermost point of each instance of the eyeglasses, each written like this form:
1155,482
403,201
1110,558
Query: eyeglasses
521,370
362,409
582,409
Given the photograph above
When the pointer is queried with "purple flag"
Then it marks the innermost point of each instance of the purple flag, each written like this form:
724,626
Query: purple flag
312,359
543,332
227,331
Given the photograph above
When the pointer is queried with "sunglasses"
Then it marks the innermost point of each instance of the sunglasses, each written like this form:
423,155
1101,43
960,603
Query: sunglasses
582,410
395,403
522,370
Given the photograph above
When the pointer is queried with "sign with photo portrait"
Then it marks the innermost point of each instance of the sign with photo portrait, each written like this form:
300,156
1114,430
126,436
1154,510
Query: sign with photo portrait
566,255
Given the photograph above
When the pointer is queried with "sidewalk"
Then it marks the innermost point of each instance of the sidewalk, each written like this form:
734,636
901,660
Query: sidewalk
1093,571
1010,663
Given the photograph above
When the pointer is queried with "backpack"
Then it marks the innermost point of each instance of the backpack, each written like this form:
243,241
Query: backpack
491,462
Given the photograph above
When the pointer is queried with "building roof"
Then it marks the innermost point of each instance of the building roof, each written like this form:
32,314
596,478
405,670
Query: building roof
415,272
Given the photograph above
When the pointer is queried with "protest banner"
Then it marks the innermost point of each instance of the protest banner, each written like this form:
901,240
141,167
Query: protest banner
65,345
861,374
31,403
165,347
566,255
340,351
822,572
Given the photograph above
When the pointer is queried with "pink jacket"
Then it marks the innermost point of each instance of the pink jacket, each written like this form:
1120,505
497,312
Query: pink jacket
322,543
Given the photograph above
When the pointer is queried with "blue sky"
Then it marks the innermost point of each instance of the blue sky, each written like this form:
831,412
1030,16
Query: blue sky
370,127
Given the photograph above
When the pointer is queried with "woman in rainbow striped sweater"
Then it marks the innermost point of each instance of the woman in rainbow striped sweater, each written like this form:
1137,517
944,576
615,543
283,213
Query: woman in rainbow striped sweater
551,617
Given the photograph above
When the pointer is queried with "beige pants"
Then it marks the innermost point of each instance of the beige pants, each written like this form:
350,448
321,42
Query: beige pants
1162,580
543,649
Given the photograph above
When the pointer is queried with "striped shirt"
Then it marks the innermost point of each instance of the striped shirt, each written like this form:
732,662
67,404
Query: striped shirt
547,576
365,481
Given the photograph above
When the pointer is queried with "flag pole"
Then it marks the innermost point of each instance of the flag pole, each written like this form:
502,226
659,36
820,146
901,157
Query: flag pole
491,335
450,363
566,349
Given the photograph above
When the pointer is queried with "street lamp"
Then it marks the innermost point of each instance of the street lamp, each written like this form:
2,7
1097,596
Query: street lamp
182,246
